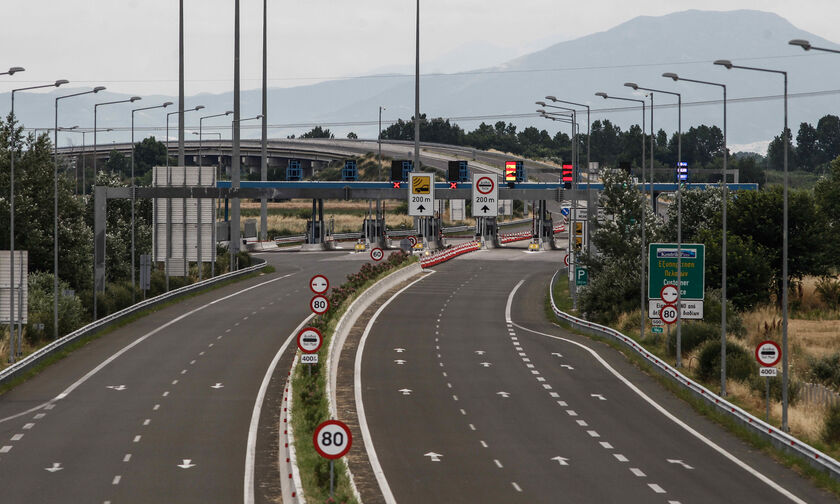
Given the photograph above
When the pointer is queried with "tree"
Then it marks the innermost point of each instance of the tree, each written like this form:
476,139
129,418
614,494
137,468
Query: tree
148,153
828,138
352,136
807,150
118,164
318,132
827,196
758,215
776,153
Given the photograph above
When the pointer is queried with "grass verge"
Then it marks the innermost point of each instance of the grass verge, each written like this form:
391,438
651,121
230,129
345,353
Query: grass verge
311,407
799,465
58,355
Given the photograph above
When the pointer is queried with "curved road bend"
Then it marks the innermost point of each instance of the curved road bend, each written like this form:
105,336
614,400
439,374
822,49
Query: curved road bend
166,420
524,412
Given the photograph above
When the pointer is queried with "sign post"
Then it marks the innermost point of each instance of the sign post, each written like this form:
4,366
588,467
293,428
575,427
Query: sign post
768,354
485,195
421,195
319,284
332,440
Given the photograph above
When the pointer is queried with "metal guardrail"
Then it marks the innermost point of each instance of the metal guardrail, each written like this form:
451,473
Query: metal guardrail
35,357
397,232
776,436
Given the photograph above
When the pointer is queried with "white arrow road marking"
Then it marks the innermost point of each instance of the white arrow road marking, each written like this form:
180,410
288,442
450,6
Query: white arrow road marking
561,460
566,366
503,394
116,387
55,467
435,457
399,350
186,464
480,352
556,354
486,364
399,362
405,391
598,396
680,462
217,386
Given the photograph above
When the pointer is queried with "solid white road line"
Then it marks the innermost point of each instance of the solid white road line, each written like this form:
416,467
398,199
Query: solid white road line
708,442
387,494
251,450
134,343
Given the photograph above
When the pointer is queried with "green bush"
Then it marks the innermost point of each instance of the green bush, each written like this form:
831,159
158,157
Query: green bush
711,313
831,427
829,291
758,384
71,313
694,334
740,365
825,370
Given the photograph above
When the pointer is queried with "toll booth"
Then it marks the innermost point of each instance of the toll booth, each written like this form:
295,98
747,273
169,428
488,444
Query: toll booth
294,171
487,231
349,173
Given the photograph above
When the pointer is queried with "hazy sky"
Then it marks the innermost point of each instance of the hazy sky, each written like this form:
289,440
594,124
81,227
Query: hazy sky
131,46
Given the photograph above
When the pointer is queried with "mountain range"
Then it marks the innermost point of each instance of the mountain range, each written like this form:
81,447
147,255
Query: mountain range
639,50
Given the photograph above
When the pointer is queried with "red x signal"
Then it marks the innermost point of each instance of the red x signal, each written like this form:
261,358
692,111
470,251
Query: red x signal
453,185
396,185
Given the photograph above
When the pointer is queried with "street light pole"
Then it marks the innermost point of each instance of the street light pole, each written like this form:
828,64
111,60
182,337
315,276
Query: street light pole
675,78
133,197
95,107
264,140
588,163
213,231
785,139
644,213
55,208
233,244
12,148
679,213
379,141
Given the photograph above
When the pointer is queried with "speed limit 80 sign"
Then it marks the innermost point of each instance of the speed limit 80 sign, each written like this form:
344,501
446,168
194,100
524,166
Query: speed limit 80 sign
332,439
319,304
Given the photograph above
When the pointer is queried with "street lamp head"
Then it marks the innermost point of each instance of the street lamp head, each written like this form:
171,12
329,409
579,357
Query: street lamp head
602,94
14,70
671,75
61,81
724,63
98,89
259,116
198,107
229,112
134,99
804,44
552,98
166,104
632,85
540,103
541,111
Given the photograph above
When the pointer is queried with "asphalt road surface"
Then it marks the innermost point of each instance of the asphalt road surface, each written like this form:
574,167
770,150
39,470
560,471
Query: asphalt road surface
160,409
504,407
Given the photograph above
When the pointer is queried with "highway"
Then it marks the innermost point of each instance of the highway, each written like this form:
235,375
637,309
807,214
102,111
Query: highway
469,394
160,410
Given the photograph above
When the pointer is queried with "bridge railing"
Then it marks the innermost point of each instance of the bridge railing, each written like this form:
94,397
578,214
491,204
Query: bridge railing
776,436
34,358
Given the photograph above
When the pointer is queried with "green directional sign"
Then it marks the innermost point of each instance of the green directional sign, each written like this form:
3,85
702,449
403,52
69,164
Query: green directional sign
662,269
656,329
581,276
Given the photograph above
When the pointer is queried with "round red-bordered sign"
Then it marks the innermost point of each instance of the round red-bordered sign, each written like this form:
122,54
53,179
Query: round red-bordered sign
319,304
412,240
669,294
768,353
319,284
332,439
668,314
309,340
566,259
376,254
485,185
